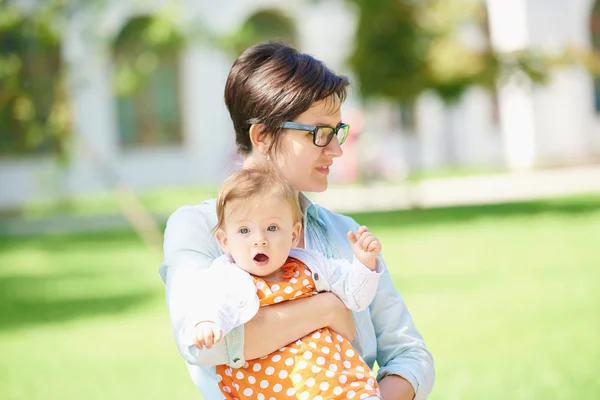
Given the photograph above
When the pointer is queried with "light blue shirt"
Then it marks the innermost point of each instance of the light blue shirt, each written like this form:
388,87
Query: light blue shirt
385,330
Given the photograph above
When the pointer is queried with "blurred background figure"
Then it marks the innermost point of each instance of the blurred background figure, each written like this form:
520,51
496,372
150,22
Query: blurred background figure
478,118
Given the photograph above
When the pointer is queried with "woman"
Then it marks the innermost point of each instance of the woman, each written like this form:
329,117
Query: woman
285,109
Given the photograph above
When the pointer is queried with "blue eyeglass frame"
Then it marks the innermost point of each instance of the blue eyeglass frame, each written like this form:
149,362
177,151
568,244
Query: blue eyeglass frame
313,129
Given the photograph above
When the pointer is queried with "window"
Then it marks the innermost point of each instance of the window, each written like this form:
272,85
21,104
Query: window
595,31
32,95
147,85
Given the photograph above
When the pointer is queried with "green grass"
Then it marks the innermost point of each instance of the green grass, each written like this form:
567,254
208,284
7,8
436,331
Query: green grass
160,201
506,296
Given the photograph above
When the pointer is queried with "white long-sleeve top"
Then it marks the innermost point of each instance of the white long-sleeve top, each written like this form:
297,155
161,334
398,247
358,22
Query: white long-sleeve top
228,295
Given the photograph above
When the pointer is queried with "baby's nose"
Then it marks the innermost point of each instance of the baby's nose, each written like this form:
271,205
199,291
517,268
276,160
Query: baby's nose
261,241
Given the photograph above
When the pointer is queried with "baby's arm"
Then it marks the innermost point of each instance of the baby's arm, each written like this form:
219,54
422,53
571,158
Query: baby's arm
355,283
221,295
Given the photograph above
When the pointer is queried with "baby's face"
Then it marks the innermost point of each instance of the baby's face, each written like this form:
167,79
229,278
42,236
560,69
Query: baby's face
259,233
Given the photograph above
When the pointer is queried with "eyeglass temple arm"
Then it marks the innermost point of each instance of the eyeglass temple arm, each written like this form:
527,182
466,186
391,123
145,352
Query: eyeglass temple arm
293,125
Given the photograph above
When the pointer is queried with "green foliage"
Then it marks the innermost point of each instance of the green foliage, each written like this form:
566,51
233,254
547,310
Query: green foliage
262,26
390,52
34,109
406,47
140,46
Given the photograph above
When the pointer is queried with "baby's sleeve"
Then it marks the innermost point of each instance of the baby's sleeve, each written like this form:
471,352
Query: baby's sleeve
352,282
189,250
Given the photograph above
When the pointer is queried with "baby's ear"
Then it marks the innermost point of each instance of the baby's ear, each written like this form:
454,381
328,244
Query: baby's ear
296,234
222,239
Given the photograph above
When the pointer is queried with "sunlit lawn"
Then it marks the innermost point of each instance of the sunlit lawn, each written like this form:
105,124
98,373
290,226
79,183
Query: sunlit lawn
507,298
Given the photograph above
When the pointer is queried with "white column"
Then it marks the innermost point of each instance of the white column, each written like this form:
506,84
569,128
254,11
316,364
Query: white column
94,122
209,133
509,32
430,125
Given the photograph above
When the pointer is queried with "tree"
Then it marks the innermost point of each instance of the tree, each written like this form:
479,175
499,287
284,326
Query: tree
34,110
406,47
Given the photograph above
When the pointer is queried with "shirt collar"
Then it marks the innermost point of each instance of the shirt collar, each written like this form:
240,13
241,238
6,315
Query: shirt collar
308,207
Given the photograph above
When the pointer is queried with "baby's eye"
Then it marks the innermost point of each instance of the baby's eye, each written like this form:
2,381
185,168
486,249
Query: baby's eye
244,231
272,228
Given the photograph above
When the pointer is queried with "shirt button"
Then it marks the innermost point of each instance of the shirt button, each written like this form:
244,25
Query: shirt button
237,363
316,276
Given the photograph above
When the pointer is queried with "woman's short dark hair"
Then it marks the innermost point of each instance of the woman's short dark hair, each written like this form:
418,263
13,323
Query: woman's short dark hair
272,83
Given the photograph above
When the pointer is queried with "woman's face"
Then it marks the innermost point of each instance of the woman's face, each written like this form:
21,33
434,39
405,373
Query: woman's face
304,165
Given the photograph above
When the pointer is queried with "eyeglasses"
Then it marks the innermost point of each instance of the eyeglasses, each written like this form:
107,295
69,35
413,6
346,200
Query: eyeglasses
322,135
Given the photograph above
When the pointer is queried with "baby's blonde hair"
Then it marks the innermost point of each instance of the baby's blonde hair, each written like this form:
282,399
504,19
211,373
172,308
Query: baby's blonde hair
250,182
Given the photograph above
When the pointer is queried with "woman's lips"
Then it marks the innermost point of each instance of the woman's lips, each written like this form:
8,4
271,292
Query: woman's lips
261,259
323,170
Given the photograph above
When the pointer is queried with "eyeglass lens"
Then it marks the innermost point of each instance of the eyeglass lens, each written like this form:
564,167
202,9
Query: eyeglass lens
324,135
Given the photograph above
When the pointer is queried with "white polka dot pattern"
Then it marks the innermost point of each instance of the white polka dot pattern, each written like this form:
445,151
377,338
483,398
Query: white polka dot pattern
321,365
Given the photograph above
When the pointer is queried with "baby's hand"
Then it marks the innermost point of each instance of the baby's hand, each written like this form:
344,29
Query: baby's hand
206,334
366,247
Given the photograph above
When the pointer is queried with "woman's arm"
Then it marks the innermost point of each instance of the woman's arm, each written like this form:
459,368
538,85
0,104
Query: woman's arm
189,247
401,350
283,323
394,387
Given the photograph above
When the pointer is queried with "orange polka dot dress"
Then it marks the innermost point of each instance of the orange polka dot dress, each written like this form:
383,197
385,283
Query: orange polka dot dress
321,365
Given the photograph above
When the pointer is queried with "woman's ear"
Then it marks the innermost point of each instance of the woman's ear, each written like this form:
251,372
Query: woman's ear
222,239
261,140
296,230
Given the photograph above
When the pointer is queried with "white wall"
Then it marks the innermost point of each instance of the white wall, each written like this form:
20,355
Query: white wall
564,109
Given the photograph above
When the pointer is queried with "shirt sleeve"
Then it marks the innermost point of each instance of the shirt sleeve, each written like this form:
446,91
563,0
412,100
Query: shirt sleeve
400,348
221,297
189,249
352,282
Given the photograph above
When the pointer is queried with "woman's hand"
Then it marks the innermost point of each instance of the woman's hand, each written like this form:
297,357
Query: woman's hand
341,317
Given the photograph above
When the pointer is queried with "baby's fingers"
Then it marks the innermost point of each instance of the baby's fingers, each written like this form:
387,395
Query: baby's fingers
352,238
366,241
374,246
208,338
218,335
370,243
361,230
199,341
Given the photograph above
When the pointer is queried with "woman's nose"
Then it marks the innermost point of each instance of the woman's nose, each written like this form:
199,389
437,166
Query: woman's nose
333,149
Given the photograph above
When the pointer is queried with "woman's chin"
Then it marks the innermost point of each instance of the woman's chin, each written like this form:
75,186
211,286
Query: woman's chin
317,188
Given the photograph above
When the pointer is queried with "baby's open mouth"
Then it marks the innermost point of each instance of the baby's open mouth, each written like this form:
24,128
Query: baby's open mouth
261,259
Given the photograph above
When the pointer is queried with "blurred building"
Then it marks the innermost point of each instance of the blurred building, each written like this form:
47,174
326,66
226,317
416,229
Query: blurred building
176,130
521,126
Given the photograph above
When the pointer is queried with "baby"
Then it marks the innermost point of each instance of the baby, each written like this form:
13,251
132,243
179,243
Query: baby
259,226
